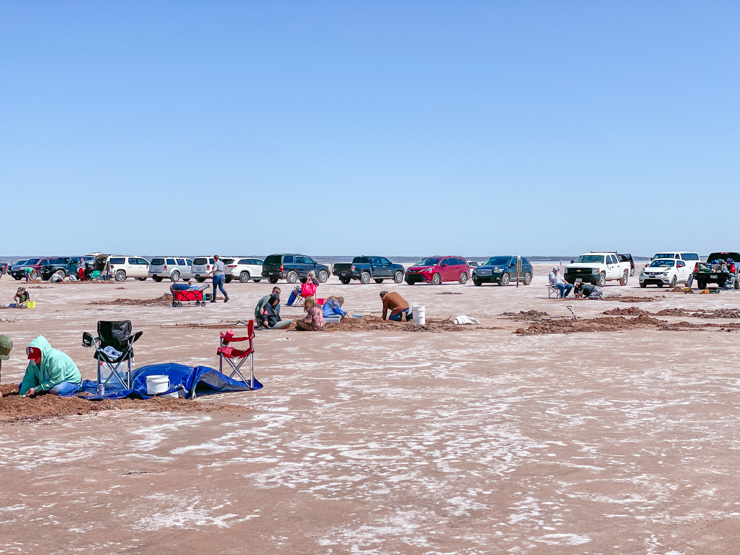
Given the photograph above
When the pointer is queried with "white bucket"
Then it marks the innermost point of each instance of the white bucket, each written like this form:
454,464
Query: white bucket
157,384
419,314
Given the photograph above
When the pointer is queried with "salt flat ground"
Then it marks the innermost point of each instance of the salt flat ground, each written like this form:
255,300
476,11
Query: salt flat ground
479,441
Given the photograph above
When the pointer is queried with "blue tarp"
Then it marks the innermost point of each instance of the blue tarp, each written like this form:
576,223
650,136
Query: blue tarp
185,380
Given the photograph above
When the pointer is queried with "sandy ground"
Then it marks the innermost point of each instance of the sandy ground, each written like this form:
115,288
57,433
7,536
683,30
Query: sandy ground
621,439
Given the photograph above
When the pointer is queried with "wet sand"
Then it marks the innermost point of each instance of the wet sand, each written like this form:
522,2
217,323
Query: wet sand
373,439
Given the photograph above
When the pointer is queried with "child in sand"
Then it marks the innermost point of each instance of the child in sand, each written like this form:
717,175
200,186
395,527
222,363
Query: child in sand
21,297
314,320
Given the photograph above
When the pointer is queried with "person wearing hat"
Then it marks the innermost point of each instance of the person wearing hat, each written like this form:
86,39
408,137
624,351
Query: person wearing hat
558,281
21,297
6,345
49,371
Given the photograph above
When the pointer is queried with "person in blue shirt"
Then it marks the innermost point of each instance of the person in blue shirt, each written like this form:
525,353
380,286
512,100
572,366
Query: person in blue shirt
333,307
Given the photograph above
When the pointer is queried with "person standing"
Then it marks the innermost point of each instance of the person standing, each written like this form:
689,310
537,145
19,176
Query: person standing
218,278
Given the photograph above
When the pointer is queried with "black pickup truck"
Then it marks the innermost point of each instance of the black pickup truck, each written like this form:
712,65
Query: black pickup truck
61,266
718,269
366,268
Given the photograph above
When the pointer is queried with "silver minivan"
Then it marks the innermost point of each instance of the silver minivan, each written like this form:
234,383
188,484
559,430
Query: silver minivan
171,267
201,266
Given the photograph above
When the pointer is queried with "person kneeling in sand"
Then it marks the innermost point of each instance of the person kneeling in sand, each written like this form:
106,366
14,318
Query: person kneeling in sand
333,307
49,371
268,314
397,305
21,297
589,291
314,320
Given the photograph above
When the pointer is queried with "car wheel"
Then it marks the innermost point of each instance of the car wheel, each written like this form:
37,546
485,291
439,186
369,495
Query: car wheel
632,272
345,281
174,304
175,276
244,276
141,279
323,276
527,278
379,280
625,278
33,275
643,285
120,275
257,280
701,284
410,282
674,281
17,278
436,279
660,284
365,277
60,273
201,279
292,277
477,282
602,280
463,278
505,279
272,279
157,279
398,278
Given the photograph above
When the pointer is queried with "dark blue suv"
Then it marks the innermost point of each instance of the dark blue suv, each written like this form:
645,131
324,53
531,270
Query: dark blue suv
502,270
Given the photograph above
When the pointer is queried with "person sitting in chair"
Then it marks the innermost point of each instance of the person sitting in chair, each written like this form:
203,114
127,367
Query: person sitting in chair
49,371
589,291
314,320
304,290
556,280
397,305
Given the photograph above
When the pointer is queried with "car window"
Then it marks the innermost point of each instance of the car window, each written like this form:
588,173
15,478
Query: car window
117,260
690,256
157,261
681,264
200,261
298,260
172,261
308,260
181,261
287,259
384,261
227,260
255,261
662,263
190,262
590,259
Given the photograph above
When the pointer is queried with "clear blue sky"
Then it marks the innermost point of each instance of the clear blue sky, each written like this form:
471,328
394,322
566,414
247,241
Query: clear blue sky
390,127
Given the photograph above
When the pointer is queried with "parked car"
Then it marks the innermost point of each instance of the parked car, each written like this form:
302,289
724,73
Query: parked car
598,268
122,267
365,268
19,270
293,267
16,268
691,258
173,268
714,271
502,270
244,269
61,266
201,267
438,269
666,271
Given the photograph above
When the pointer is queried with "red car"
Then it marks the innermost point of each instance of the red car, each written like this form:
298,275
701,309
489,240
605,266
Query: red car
438,269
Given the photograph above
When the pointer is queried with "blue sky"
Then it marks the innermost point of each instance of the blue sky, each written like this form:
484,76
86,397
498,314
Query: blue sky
389,127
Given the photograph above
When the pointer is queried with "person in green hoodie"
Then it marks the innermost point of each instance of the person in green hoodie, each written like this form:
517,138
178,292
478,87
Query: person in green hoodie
49,371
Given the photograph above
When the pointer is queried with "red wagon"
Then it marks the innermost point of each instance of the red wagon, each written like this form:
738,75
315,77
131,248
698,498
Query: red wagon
180,296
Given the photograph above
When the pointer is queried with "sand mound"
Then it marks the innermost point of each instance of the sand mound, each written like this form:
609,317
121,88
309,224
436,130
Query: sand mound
375,323
630,299
14,408
164,300
528,315
631,311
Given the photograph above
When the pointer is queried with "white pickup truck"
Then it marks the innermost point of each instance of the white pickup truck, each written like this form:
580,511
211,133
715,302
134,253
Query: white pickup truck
598,268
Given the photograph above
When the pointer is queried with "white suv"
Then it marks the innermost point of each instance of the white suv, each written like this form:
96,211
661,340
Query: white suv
243,269
667,271
201,266
170,267
122,267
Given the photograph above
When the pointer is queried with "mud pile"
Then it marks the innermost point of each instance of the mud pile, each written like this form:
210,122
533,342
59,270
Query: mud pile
376,323
14,408
164,300
528,315
631,311
630,299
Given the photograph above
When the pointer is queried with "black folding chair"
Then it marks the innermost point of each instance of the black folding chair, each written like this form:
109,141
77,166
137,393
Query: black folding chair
114,346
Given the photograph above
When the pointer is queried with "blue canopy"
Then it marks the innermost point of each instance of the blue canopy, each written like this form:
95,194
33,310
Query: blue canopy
185,380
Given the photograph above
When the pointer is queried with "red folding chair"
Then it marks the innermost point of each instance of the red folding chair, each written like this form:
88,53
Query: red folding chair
236,357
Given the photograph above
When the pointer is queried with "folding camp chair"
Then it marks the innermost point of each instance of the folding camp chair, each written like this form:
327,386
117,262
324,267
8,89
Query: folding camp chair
235,357
552,290
114,346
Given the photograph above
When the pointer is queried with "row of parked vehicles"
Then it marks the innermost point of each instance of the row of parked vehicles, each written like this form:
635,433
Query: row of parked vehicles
664,269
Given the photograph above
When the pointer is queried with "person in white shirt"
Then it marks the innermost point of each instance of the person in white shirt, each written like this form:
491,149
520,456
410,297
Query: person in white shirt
558,281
